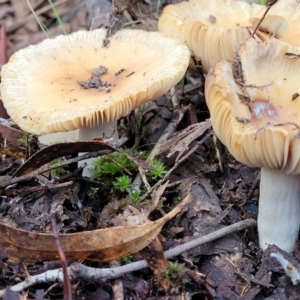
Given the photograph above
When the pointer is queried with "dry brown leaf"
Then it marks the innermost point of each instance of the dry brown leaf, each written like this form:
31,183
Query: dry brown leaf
156,197
10,142
98,245
181,140
154,255
52,152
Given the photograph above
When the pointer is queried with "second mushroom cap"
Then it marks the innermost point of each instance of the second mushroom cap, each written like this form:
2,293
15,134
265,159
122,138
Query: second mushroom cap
255,111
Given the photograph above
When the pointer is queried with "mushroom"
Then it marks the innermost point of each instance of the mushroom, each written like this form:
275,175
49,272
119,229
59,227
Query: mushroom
213,29
255,112
289,10
87,81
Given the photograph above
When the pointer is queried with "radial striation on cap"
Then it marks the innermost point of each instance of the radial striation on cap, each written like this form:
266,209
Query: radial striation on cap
214,29
259,119
58,85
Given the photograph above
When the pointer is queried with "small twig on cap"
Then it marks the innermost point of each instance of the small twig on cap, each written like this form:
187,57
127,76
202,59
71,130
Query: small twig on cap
277,125
270,3
254,86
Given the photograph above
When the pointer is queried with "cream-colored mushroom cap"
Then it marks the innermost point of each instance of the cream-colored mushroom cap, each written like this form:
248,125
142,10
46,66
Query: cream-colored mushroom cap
84,79
254,103
259,122
290,11
214,29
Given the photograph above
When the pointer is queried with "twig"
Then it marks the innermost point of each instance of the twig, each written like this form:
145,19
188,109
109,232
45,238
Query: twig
63,262
218,154
170,129
72,175
277,125
260,21
117,286
77,270
253,280
254,86
29,190
210,237
254,185
288,267
29,17
179,160
192,88
3,46
37,18
48,167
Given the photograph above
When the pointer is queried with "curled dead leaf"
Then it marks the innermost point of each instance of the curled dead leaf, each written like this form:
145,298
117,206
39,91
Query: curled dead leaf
59,150
98,245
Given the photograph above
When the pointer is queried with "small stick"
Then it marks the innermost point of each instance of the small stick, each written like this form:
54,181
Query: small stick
179,160
254,185
63,262
253,280
117,286
48,167
270,3
260,21
170,129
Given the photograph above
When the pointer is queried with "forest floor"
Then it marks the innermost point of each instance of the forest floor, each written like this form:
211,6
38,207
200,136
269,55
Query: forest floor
191,166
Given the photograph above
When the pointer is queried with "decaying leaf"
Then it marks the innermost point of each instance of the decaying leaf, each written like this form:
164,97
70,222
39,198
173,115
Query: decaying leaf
10,143
154,255
98,245
58,150
181,140
156,196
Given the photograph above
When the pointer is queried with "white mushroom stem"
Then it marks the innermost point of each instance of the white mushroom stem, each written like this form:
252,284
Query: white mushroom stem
59,137
107,130
279,209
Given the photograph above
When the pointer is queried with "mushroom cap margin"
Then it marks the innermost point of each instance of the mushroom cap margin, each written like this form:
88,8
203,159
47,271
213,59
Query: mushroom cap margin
40,88
213,29
268,134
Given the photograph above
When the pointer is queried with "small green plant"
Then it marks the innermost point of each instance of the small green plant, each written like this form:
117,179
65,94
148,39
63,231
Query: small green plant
23,140
113,169
93,193
263,2
126,259
175,271
123,184
57,171
111,164
134,197
159,170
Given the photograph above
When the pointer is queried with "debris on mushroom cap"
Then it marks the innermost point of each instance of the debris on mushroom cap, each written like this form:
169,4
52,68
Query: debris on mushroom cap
289,10
253,107
75,81
213,29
